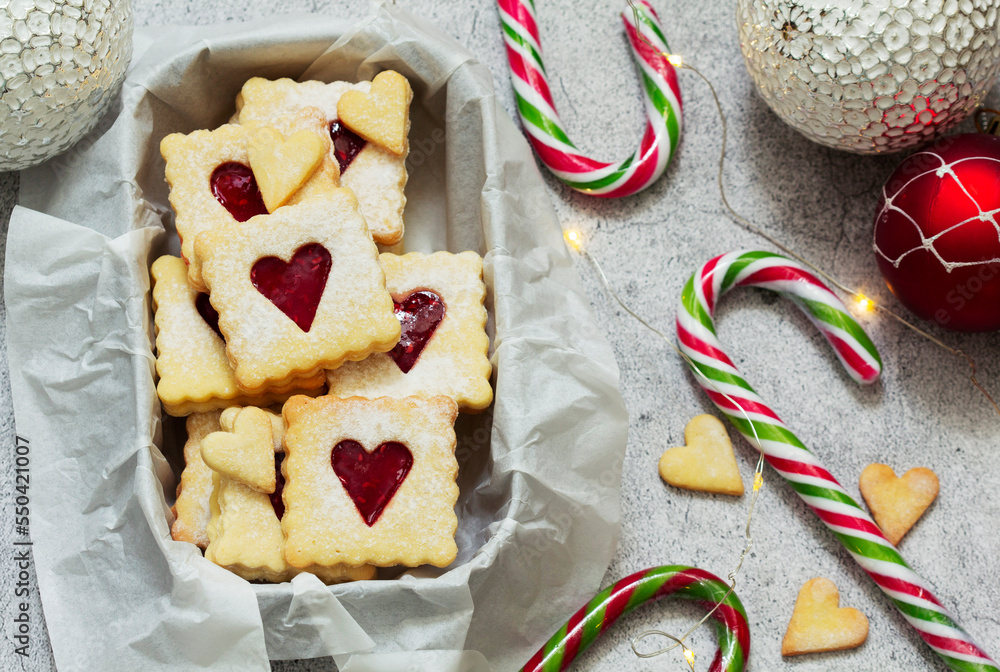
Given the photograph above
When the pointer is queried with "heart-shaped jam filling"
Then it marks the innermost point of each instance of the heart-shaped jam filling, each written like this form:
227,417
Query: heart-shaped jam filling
296,286
208,313
346,144
371,479
277,503
419,315
235,187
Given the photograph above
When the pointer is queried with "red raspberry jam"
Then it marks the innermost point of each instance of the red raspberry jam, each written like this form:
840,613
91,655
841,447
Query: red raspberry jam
371,479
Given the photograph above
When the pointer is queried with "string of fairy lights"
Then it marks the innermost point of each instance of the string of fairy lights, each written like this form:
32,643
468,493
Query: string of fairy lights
862,303
577,242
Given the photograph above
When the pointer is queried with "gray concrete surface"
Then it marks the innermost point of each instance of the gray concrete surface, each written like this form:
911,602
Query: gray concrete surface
820,202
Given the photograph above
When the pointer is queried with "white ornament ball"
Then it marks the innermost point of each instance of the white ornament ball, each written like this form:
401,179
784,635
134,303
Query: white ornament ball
61,64
870,76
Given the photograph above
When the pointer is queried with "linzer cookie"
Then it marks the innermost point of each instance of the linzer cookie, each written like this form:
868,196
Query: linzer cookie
245,528
371,153
370,481
438,300
192,510
195,374
282,165
212,183
298,291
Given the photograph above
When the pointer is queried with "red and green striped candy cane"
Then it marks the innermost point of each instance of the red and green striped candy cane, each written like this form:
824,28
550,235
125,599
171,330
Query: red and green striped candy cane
688,583
718,376
660,92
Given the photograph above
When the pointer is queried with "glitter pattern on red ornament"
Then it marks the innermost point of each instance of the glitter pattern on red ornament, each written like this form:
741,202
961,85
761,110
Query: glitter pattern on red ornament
937,236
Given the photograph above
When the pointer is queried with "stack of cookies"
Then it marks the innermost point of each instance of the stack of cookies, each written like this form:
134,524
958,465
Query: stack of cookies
321,380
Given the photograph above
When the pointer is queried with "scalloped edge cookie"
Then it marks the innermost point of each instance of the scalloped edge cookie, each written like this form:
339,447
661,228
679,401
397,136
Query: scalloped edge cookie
192,158
376,175
195,375
454,361
192,510
322,524
354,315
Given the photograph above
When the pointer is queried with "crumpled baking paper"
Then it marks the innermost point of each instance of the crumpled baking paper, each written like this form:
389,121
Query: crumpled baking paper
539,474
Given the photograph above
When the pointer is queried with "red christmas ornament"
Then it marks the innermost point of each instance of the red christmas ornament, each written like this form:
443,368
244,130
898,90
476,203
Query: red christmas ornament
937,232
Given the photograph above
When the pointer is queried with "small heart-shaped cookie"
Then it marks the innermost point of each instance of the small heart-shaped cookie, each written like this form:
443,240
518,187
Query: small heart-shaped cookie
819,624
897,503
706,463
244,451
281,166
227,420
381,116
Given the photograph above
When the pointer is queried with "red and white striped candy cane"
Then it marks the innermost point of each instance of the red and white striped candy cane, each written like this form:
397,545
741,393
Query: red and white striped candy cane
661,96
690,583
720,379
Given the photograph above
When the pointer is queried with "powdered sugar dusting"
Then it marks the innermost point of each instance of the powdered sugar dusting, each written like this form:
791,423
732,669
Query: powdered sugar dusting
353,319
192,507
377,176
321,521
246,535
195,373
454,362
191,159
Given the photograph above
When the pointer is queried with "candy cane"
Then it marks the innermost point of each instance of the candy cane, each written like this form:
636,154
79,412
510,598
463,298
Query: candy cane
720,379
587,624
661,95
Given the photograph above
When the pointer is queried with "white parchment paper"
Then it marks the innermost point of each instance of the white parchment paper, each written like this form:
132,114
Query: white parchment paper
539,473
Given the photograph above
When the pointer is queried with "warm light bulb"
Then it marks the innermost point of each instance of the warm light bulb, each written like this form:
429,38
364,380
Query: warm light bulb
574,239
689,656
865,304
758,481
678,62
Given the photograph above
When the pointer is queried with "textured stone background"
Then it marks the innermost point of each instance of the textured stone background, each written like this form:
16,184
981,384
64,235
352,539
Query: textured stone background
818,201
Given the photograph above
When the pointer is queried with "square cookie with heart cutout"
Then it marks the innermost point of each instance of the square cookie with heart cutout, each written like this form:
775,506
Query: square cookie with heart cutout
443,350
244,531
298,291
370,481
195,374
212,181
375,172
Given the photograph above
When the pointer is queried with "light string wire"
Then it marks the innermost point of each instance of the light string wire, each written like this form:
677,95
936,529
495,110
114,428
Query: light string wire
990,126
575,241
863,301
